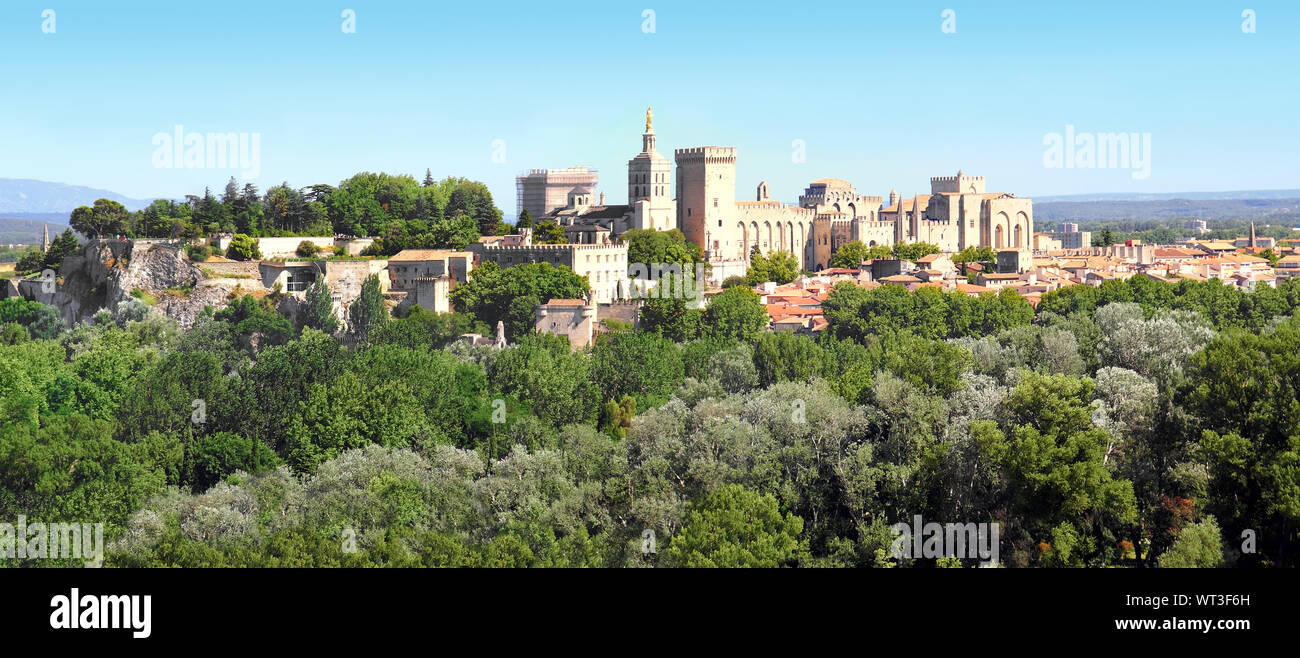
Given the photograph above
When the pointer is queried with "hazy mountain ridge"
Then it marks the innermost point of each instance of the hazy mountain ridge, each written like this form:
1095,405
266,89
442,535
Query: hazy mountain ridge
1284,210
28,230
25,195
1167,196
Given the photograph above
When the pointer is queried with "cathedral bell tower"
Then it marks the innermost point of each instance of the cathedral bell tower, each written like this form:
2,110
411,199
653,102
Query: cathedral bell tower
649,181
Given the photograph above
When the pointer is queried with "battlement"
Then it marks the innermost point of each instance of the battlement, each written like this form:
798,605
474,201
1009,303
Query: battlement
552,247
939,179
706,153
959,184
560,172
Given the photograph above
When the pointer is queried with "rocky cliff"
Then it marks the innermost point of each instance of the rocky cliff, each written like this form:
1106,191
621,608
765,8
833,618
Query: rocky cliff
107,272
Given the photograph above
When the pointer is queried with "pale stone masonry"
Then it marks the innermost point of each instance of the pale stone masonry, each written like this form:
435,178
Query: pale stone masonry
650,203
574,319
409,264
958,213
541,191
604,265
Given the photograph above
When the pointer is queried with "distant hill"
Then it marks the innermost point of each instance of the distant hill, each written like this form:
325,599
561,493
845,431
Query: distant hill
1276,209
27,230
1167,196
23,196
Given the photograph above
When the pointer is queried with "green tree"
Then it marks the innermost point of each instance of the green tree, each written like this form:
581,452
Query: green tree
106,217
974,254
1068,507
649,247
555,382
672,317
489,293
318,307
243,247
850,255
473,199
735,313
368,312
548,232
63,246
915,250
644,365
1198,546
256,323
212,457
781,267
31,261
1271,256
307,249
1243,389
734,527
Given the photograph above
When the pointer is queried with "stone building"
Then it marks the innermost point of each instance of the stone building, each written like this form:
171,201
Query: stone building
574,319
958,212
604,265
842,216
409,264
649,185
427,276
432,293
830,214
1074,239
541,191
650,202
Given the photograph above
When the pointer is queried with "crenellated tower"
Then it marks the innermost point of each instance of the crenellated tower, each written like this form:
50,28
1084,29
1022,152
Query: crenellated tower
706,202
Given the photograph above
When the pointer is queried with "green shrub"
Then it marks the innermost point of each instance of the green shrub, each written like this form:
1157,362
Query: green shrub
307,249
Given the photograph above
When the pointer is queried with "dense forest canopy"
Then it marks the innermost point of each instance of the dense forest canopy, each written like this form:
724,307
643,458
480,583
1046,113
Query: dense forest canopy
1138,423
402,212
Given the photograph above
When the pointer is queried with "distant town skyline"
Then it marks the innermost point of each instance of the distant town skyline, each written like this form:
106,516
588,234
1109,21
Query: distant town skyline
884,97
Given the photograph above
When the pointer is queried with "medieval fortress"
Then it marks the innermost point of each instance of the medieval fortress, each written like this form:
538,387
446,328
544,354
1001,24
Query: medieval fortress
957,213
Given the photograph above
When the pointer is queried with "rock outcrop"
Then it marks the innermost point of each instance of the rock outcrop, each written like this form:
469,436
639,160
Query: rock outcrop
107,272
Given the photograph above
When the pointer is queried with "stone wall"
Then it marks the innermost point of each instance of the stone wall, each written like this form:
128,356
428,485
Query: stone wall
354,246
236,269
281,247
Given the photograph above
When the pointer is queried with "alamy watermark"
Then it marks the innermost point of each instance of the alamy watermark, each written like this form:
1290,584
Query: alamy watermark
194,150
53,541
1083,150
666,280
103,611
949,24
936,540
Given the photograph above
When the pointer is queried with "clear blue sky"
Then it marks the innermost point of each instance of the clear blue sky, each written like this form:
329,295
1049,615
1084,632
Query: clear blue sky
879,94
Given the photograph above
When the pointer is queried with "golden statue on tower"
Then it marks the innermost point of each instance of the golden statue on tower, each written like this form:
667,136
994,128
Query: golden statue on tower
648,117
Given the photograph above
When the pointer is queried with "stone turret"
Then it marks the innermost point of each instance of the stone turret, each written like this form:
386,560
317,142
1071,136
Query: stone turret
575,319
